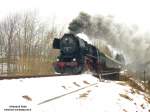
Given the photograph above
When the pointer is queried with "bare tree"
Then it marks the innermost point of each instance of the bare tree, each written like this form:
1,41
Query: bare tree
27,44
1,50
9,27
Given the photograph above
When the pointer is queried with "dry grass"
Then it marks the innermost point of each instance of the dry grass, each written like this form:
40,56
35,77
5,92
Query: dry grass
27,97
88,91
86,82
76,84
131,81
132,91
32,65
136,86
128,78
83,95
124,110
147,99
126,97
142,105
64,87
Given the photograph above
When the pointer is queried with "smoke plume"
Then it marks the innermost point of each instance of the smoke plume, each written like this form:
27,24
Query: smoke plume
128,40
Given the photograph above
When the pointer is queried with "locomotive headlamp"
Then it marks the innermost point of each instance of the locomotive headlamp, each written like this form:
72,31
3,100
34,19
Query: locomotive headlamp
74,59
57,59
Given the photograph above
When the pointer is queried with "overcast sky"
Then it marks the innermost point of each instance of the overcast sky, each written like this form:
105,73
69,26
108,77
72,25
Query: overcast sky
128,11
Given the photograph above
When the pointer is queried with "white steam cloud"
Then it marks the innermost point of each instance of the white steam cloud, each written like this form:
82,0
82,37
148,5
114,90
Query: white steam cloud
134,44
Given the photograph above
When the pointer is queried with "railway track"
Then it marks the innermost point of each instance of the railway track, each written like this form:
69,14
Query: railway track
104,75
65,94
51,75
33,76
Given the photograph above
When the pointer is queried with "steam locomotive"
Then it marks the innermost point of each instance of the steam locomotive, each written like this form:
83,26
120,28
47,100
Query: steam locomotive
77,56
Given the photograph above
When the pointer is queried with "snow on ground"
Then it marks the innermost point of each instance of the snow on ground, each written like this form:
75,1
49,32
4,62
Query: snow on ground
80,93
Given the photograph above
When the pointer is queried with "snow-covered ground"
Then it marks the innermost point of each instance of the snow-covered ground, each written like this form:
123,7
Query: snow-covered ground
80,93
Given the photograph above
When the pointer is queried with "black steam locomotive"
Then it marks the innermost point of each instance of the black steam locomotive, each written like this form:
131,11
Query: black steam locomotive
76,56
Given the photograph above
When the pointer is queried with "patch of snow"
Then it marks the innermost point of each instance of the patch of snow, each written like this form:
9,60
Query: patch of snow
89,95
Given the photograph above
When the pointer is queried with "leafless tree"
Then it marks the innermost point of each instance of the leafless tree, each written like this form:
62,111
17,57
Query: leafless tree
26,41
9,29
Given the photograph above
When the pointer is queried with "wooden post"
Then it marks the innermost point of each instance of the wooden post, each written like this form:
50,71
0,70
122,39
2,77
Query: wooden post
144,77
100,77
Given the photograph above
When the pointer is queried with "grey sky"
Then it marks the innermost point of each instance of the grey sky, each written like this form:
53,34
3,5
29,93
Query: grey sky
128,11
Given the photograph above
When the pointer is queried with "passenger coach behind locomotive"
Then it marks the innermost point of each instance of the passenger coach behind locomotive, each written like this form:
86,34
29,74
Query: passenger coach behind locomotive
72,52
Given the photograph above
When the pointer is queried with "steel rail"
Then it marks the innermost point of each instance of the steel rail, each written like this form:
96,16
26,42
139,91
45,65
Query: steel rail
33,76
60,96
